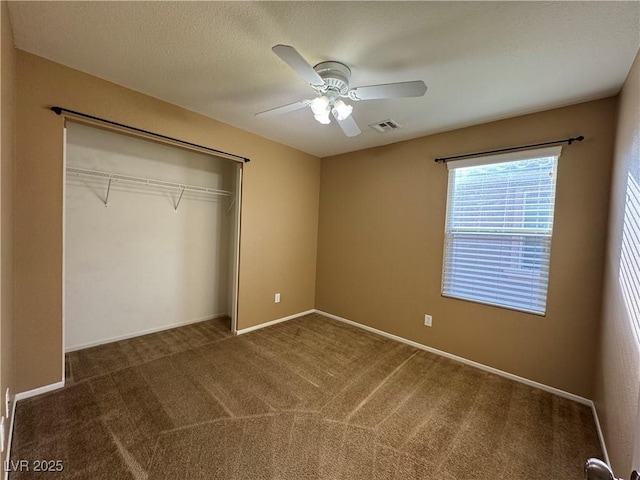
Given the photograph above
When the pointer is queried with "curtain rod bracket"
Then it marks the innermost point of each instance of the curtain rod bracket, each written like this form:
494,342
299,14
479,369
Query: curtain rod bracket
59,110
510,149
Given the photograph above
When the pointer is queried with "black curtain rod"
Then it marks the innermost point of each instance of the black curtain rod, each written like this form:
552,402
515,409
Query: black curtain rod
510,149
59,110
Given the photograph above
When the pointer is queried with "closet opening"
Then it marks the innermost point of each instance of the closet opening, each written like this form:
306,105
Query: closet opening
151,237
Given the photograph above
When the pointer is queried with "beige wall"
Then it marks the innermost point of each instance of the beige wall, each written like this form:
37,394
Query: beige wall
618,373
279,219
382,215
7,148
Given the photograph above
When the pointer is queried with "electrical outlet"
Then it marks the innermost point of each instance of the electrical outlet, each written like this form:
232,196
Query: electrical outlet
427,320
277,300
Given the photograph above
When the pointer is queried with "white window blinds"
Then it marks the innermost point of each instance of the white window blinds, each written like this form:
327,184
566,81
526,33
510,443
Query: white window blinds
498,229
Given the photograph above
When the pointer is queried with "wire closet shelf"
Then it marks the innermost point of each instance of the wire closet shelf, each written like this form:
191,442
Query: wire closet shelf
181,187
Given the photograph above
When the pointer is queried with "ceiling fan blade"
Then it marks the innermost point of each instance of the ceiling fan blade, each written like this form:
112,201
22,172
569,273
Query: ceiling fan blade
390,90
291,57
283,109
349,126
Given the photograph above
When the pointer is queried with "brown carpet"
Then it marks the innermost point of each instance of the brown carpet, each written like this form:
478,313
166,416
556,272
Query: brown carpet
311,398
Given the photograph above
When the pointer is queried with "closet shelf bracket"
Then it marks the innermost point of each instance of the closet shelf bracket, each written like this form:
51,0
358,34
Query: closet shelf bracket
106,197
232,203
178,202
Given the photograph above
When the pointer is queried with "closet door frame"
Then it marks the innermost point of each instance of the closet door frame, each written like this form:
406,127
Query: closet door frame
237,212
236,249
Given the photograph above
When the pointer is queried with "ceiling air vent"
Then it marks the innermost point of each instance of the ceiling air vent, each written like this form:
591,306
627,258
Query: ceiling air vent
385,126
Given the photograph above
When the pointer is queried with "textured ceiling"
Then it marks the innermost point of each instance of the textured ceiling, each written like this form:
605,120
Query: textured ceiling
481,60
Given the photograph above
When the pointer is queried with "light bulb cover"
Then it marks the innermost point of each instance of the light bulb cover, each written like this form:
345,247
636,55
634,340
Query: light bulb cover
341,110
320,105
323,118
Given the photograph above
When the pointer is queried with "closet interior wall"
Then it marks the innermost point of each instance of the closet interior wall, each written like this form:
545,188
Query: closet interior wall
144,257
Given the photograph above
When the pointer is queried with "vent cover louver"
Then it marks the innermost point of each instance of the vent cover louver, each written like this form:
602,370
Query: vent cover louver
385,126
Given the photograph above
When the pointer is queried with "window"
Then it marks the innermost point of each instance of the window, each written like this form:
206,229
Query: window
498,229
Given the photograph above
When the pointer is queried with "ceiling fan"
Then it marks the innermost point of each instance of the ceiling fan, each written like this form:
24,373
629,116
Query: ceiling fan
330,80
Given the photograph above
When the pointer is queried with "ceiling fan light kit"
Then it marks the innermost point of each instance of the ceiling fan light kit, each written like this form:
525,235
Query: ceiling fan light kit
330,80
323,105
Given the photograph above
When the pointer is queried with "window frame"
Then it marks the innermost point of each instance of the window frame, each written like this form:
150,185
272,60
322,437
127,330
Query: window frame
542,235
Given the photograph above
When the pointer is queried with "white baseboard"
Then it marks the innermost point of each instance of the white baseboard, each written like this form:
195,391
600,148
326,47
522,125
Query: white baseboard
10,438
142,332
486,368
273,322
38,391
16,398
605,454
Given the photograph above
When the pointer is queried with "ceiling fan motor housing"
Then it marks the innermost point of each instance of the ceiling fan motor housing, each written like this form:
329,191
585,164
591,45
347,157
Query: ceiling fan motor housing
336,77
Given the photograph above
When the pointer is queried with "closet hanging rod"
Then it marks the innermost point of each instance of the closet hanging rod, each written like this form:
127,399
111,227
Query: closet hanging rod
232,156
147,181
510,149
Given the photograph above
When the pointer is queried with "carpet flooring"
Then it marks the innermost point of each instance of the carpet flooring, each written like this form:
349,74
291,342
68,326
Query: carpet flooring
310,398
